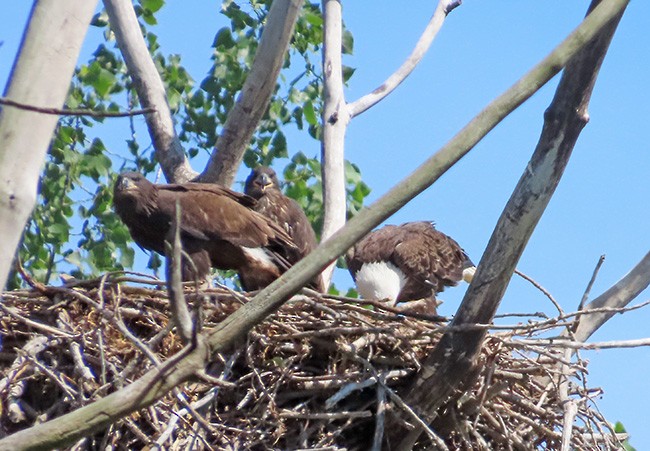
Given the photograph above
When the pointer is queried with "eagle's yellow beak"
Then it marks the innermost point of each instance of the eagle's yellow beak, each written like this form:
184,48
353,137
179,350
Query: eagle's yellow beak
126,184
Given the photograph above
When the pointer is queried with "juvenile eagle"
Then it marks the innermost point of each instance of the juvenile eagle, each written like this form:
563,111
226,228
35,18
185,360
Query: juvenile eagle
408,262
262,184
218,228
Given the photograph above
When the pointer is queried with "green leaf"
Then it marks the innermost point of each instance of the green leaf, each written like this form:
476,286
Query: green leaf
152,5
223,39
347,44
310,114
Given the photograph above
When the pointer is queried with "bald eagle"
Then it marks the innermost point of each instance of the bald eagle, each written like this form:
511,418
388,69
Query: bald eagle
218,228
408,262
262,184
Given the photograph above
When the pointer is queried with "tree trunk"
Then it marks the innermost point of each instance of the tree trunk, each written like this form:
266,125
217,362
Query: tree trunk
40,77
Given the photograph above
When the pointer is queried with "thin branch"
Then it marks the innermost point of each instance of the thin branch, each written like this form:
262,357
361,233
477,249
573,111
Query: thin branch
151,91
561,343
619,295
421,47
77,112
180,313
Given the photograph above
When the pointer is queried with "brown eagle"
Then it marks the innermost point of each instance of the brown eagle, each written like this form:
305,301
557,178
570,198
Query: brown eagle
262,184
218,228
408,262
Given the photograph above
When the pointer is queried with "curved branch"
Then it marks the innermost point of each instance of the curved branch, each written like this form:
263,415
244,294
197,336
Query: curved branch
255,95
435,23
151,91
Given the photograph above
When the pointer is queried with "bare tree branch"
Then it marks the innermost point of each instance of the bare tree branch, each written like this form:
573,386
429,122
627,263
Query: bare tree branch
454,357
619,295
75,112
151,91
335,121
255,95
40,76
190,362
421,47
178,306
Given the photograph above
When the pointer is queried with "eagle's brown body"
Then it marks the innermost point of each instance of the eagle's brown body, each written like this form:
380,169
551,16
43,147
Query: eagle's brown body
262,184
424,259
218,228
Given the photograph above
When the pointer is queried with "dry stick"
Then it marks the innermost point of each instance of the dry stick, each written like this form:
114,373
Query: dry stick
380,416
564,343
76,112
542,289
421,47
184,365
569,405
180,313
454,356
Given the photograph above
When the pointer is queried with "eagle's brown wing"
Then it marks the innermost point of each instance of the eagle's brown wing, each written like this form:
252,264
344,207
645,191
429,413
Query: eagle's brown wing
378,245
430,259
218,228
286,212
214,212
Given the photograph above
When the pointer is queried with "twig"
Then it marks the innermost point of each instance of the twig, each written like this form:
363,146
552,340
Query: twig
180,313
325,415
76,112
379,418
585,296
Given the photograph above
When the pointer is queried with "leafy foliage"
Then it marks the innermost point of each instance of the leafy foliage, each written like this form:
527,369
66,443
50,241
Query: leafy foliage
74,230
620,429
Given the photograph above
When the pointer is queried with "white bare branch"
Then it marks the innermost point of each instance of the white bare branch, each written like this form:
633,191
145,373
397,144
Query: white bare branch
151,91
336,117
421,47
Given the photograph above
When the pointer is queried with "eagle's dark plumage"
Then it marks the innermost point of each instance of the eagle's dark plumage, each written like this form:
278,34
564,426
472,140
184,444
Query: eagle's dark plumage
408,262
218,228
262,184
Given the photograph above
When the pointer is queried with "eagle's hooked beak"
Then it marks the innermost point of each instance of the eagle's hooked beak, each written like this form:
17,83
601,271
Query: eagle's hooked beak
264,182
125,184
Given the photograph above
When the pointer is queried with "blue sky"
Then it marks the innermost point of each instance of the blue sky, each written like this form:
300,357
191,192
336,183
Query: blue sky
483,48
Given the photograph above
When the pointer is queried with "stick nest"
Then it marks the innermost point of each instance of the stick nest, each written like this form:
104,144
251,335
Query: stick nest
321,373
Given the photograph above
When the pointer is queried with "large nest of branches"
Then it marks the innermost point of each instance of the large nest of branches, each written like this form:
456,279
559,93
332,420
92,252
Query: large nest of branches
321,373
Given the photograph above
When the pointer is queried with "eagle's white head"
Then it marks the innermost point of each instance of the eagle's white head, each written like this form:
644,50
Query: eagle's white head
380,280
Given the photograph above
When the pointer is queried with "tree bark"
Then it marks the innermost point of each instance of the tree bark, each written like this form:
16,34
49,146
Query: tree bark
454,358
256,94
40,77
151,91
336,118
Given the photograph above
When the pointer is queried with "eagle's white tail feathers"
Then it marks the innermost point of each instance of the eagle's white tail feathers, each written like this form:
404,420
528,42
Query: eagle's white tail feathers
380,280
